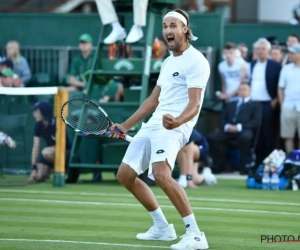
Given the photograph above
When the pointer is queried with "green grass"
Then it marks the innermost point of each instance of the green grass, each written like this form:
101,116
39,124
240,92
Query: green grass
106,216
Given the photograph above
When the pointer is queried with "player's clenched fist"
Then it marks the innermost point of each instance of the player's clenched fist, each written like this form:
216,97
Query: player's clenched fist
169,122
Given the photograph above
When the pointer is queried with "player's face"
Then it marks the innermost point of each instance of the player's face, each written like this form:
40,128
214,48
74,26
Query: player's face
244,90
174,32
37,115
229,55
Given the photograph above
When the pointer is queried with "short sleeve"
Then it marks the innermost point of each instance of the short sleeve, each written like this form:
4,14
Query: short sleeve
282,80
197,75
37,130
159,80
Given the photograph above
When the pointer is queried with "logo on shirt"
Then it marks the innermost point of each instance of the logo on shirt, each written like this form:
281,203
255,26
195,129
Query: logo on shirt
160,151
175,74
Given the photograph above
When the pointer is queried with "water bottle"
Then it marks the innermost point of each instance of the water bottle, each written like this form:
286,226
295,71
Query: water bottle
275,181
266,180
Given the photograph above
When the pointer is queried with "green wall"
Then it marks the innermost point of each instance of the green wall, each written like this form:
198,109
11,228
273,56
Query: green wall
64,29
249,33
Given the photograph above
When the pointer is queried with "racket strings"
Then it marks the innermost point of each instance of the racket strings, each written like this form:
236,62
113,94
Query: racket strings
86,117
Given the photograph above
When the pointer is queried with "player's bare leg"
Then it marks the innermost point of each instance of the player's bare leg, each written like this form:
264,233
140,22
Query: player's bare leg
161,230
163,178
193,237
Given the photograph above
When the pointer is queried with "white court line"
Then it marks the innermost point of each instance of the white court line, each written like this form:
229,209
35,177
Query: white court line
86,243
138,205
157,196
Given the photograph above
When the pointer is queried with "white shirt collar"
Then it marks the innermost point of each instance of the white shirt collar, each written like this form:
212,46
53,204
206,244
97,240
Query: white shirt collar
247,99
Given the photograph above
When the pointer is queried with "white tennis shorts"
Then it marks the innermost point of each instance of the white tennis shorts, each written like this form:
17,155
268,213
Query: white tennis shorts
153,144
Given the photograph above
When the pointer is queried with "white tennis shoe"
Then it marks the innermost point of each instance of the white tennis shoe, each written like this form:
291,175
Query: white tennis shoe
191,241
154,233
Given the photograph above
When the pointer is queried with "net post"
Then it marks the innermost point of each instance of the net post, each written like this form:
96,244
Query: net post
60,139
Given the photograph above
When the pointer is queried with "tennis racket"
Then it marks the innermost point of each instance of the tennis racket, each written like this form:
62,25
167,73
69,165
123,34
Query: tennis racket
88,118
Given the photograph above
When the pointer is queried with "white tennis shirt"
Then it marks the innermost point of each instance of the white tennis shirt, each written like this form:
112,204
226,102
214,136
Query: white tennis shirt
177,75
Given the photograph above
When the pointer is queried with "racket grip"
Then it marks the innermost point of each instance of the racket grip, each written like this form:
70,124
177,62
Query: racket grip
119,131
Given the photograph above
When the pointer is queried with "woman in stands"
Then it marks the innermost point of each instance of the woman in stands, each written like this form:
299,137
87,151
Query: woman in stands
21,67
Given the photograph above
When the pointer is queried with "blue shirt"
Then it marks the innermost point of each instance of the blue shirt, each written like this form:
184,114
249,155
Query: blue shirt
48,133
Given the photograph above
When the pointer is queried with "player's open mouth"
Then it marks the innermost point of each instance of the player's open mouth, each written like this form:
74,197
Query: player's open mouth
170,39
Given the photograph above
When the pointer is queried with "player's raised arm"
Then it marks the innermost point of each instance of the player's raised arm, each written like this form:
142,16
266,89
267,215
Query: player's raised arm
196,80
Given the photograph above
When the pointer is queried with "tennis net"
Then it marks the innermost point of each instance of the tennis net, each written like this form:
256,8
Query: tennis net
17,130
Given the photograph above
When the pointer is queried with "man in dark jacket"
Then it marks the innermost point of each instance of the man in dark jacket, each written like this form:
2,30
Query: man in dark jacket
240,121
264,79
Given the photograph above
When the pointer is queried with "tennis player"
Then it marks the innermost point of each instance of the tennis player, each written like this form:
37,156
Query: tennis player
176,102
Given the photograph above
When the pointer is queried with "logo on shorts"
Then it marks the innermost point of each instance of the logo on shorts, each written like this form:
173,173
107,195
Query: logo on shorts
187,225
197,238
160,151
176,74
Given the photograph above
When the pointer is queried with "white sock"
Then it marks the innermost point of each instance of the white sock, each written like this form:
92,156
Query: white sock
159,219
116,26
182,180
191,224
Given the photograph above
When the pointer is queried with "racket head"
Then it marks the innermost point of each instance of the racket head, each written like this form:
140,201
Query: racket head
85,117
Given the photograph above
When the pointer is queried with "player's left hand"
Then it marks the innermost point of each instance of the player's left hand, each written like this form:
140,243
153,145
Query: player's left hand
169,122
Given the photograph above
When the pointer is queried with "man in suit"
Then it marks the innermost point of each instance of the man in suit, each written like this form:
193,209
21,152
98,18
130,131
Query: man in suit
240,121
264,78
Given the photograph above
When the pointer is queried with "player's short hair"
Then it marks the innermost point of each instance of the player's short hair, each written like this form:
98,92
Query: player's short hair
296,36
229,46
189,33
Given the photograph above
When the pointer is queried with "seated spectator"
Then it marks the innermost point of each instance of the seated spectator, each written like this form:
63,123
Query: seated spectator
289,98
160,48
240,121
81,63
232,71
20,64
108,15
188,162
276,53
7,78
8,64
7,140
113,91
45,128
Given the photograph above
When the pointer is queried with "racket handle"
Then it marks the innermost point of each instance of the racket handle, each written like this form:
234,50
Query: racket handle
121,136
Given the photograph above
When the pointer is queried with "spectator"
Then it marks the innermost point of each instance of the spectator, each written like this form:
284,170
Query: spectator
244,50
188,161
108,15
8,64
289,98
7,140
81,64
296,16
113,91
276,53
255,50
20,64
232,72
292,40
160,48
45,128
6,78
240,121
264,79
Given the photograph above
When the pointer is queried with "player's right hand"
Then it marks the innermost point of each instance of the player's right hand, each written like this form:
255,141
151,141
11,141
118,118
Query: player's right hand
114,132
